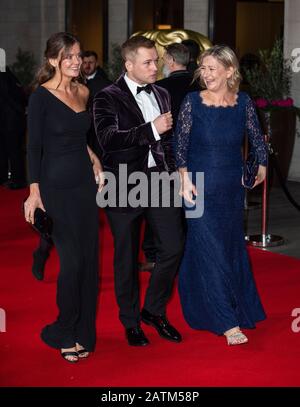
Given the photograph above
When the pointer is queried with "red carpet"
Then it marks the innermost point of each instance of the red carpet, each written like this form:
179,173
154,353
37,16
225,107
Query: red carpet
271,358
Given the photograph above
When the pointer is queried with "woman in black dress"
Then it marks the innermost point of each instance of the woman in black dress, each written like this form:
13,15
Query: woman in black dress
62,171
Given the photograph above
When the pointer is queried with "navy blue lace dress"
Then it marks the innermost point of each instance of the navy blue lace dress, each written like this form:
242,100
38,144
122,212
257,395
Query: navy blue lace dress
216,286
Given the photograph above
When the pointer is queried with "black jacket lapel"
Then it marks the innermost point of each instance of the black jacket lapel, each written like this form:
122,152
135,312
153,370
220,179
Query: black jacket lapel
127,94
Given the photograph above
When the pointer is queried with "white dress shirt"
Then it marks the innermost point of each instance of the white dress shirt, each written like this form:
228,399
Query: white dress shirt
149,108
89,77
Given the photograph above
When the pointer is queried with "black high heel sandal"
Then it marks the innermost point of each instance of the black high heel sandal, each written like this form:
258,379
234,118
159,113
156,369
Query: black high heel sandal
83,354
66,354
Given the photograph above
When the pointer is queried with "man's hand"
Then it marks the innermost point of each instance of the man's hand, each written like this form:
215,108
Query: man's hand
163,123
99,174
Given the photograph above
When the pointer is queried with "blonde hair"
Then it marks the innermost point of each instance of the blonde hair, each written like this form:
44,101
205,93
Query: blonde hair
228,59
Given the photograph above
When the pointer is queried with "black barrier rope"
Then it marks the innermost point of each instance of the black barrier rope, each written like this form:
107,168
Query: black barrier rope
275,165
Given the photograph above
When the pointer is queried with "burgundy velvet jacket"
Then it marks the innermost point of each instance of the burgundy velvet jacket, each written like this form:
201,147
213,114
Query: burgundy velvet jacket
124,136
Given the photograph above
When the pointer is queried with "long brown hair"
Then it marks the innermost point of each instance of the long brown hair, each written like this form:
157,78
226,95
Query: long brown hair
61,41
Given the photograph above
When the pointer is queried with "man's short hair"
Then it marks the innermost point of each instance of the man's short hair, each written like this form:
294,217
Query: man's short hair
193,47
131,46
179,53
87,54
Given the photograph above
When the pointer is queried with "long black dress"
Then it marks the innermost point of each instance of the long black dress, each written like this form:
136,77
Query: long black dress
58,160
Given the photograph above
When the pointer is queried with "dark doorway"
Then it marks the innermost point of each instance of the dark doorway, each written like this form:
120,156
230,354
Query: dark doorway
155,14
246,25
88,20
258,25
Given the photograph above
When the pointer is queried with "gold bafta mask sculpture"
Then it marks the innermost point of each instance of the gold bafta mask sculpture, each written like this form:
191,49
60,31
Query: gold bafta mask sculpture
163,38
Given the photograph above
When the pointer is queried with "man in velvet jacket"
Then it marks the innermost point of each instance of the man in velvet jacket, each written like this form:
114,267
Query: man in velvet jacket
133,124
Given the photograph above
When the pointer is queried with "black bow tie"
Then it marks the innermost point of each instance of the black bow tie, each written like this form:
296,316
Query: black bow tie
146,88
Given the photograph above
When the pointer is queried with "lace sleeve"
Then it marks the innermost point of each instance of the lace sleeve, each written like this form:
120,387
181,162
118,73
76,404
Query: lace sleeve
182,132
255,136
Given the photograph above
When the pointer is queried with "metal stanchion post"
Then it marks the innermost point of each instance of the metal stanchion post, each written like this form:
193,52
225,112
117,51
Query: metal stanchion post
265,239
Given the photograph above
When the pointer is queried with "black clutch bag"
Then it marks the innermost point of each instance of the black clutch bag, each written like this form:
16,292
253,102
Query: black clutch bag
250,170
43,224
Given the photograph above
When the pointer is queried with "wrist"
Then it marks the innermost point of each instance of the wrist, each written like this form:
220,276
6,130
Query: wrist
184,175
34,189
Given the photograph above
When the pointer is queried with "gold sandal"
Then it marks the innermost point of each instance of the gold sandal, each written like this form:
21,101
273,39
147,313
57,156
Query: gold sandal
236,338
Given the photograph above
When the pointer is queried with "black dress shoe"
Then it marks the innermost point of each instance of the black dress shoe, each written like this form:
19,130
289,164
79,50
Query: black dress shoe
136,337
39,261
162,325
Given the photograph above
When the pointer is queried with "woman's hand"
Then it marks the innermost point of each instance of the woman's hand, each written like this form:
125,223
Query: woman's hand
187,188
261,175
32,202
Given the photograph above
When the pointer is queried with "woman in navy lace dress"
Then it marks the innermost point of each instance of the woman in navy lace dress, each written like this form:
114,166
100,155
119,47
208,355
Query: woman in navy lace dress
216,285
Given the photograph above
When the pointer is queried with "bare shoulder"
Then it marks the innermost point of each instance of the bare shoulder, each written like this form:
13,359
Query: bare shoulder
83,90
48,85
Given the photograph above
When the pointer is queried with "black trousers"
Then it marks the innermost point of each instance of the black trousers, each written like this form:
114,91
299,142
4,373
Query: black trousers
166,225
148,245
